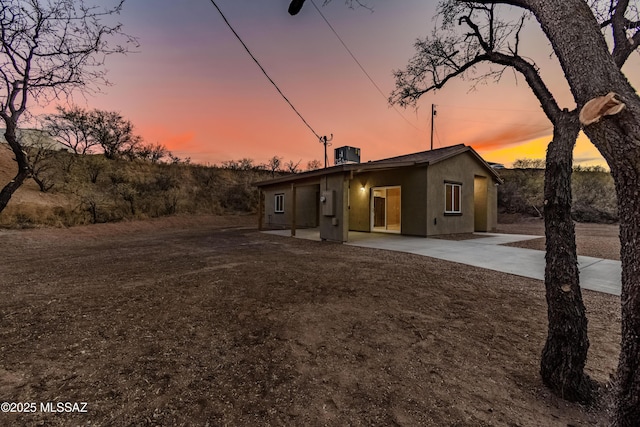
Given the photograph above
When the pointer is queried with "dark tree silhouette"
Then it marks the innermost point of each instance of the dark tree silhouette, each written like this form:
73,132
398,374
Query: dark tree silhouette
114,134
71,127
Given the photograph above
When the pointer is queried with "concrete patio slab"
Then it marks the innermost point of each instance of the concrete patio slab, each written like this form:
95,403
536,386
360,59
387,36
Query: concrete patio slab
485,252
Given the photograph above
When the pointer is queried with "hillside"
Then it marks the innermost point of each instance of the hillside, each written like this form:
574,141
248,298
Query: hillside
29,194
91,189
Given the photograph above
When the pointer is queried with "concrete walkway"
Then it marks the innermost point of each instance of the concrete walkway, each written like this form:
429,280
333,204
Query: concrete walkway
486,252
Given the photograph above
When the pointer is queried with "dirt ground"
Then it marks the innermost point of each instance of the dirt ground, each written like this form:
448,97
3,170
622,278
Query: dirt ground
596,240
204,321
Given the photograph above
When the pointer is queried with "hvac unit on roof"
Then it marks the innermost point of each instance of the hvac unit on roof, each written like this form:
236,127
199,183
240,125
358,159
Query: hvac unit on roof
345,155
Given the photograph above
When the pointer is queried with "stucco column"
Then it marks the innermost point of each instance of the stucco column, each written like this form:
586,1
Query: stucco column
260,209
293,210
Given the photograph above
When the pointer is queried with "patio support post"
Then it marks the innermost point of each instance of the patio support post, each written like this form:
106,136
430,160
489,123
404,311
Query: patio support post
260,209
293,210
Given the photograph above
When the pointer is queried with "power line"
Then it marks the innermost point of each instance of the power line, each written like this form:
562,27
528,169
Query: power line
263,70
359,64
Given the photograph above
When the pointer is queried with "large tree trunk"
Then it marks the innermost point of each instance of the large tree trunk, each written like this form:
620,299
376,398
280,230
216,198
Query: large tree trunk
628,376
622,136
591,72
23,165
565,351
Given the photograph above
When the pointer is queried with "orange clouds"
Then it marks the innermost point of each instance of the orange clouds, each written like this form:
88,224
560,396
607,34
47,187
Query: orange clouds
584,153
509,136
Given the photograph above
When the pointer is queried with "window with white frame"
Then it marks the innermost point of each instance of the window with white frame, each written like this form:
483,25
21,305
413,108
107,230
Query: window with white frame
452,192
279,203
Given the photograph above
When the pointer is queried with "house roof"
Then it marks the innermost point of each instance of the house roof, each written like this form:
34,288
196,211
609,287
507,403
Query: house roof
422,158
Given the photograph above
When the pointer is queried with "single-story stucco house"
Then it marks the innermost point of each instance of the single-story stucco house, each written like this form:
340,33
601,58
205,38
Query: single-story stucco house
442,191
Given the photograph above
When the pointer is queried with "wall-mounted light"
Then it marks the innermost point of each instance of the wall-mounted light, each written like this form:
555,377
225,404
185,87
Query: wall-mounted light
362,188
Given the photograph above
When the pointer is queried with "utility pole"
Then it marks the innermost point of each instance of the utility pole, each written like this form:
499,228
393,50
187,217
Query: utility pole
433,115
324,140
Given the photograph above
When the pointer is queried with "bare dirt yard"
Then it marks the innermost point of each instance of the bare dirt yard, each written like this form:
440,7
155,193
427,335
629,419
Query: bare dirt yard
596,240
204,321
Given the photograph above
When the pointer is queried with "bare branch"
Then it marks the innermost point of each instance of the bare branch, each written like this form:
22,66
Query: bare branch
448,54
48,49
623,17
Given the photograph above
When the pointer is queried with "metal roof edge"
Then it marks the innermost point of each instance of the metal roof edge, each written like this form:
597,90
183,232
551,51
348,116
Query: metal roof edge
297,176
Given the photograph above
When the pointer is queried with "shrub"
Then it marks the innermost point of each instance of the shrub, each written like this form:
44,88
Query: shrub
593,194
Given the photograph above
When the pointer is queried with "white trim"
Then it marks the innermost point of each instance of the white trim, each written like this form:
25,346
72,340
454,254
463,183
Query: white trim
452,209
278,203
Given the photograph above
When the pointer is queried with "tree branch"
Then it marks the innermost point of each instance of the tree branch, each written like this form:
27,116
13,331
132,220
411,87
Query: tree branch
535,82
407,93
443,58
476,33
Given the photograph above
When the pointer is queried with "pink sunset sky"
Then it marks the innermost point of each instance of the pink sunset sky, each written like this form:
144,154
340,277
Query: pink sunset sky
192,87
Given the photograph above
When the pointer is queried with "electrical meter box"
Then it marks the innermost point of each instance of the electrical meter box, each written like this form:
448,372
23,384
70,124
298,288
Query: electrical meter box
345,155
328,203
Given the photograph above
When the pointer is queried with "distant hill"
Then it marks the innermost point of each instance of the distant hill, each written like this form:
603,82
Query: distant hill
90,189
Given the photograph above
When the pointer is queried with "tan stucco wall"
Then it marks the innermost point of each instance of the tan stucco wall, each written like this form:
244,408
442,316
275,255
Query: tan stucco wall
492,205
422,199
480,206
460,169
306,206
413,183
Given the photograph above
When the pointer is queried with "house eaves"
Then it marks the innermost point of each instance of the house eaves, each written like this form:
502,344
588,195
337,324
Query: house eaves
353,168
423,158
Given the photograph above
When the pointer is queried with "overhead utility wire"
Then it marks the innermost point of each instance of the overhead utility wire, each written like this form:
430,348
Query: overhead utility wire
360,65
263,70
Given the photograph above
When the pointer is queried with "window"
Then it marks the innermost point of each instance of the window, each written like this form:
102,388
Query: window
452,198
279,204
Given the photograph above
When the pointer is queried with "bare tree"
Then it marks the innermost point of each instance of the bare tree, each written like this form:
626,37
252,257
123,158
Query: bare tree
152,152
292,167
49,48
472,34
40,149
71,127
246,164
313,165
114,134
610,116
274,164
